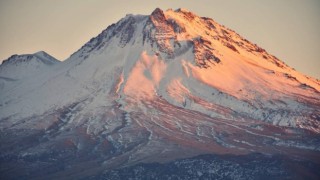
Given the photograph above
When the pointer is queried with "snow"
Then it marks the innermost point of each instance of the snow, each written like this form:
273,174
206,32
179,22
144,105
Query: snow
18,68
145,77
144,58
161,87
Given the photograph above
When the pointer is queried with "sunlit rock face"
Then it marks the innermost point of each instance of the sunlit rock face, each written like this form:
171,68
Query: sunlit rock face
169,95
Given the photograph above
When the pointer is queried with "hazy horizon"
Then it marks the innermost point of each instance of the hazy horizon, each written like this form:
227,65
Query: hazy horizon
288,30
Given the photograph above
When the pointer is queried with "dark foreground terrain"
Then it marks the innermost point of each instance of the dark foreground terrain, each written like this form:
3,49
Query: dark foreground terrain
253,166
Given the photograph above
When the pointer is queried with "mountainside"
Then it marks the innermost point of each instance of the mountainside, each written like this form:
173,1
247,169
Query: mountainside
162,88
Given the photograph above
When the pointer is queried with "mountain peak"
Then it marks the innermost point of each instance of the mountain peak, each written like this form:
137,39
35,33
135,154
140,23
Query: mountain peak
158,14
45,57
40,57
157,11
41,53
182,10
26,65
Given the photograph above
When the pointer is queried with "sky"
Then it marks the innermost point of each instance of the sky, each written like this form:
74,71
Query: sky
288,29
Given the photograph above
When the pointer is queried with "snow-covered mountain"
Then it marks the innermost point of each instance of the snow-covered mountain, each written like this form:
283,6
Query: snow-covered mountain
18,68
24,66
157,88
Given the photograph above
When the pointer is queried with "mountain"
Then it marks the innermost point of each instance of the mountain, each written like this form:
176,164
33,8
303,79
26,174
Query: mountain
170,88
23,66
17,68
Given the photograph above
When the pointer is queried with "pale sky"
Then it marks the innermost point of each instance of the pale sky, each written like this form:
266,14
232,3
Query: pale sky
288,29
